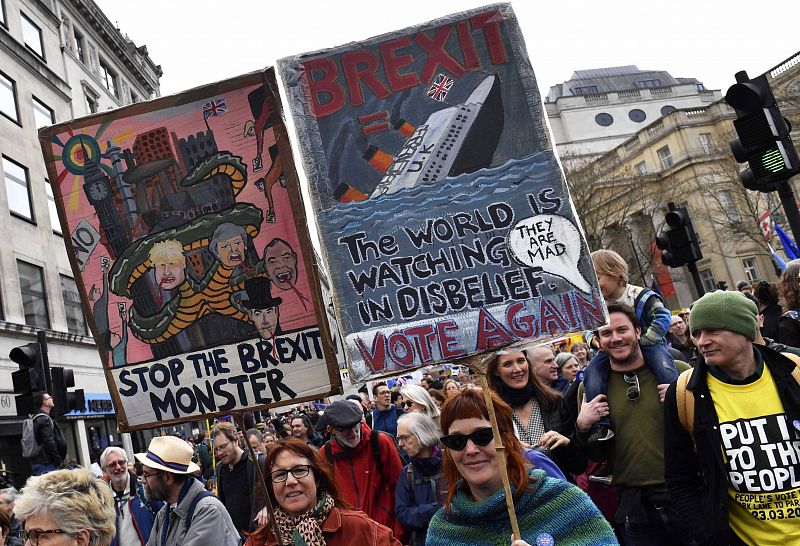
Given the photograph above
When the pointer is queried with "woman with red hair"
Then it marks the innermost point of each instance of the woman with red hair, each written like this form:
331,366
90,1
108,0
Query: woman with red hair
549,510
307,506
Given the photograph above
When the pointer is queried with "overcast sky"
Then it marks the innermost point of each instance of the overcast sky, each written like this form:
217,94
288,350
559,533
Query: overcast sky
201,41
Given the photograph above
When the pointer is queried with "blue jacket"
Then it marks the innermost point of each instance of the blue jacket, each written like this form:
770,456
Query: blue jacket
142,511
415,504
386,420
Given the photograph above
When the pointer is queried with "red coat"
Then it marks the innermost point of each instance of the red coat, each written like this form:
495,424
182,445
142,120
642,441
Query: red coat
341,528
362,483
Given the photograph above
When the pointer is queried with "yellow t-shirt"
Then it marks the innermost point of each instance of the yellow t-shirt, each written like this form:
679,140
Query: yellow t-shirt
761,451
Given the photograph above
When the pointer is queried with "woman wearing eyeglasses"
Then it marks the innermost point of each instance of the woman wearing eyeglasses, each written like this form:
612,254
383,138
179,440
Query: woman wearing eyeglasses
539,413
415,398
307,507
417,493
68,508
549,510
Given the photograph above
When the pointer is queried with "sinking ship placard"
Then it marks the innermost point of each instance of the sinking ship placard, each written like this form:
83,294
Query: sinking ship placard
189,244
443,213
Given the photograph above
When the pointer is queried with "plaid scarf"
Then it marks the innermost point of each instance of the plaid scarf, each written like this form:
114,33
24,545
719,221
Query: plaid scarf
305,529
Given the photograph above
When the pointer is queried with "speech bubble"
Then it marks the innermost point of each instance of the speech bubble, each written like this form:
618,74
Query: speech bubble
550,242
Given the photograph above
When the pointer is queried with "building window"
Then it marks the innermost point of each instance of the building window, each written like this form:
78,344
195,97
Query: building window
18,189
34,299
707,278
603,119
76,323
665,156
80,45
3,24
751,269
585,90
51,206
700,87
729,206
91,98
641,167
8,98
648,83
667,109
32,36
42,113
705,142
109,77
637,115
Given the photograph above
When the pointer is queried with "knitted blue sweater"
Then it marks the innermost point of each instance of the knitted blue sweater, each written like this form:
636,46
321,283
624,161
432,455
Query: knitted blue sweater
554,513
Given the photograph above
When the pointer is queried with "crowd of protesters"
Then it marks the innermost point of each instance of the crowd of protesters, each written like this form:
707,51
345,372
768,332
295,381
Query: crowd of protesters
603,443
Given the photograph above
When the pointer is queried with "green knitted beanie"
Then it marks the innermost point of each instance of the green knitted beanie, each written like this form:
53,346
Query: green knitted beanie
725,310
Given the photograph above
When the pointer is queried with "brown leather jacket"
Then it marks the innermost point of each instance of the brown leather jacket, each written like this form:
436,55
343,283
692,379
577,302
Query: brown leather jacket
341,528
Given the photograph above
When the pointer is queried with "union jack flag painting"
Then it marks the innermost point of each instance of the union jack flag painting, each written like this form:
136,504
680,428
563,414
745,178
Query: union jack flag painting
216,107
440,87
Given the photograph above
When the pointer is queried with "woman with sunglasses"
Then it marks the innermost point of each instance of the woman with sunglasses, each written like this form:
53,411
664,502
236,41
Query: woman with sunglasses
307,507
68,508
415,398
540,414
549,510
417,492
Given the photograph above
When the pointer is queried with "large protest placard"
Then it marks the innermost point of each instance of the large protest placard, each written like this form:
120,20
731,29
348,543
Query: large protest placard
445,218
188,240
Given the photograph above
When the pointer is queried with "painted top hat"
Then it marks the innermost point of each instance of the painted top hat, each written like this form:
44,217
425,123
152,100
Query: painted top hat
259,295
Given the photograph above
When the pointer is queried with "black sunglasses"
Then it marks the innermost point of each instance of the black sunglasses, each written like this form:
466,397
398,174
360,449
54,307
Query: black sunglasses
633,391
479,437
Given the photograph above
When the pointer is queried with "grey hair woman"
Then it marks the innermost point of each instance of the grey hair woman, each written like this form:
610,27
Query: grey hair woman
69,503
417,493
416,398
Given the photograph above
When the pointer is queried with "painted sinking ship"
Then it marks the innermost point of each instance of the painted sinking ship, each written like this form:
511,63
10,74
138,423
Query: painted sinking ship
455,140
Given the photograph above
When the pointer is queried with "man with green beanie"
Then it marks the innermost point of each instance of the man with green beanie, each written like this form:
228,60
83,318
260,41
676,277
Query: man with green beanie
733,472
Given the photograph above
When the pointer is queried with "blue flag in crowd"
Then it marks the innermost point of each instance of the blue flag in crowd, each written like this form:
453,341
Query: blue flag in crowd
777,258
789,246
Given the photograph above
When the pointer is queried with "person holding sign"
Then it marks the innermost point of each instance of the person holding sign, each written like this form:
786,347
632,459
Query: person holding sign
307,506
732,470
549,510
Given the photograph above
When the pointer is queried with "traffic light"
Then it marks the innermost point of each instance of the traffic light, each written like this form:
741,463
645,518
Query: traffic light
764,142
64,400
29,378
679,244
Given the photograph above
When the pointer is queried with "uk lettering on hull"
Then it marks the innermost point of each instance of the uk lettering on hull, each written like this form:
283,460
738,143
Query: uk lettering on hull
444,215
190,249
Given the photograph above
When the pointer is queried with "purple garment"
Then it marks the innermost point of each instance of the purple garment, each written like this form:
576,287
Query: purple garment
540,460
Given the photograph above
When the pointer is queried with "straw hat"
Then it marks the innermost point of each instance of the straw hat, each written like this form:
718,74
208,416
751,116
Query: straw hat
170,454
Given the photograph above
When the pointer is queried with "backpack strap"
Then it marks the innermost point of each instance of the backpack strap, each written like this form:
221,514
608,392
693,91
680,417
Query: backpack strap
197,498
685,401
329,455
642,299
796,359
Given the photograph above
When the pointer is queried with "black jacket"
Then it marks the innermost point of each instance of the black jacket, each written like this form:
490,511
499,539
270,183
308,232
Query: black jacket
698,482
49,435
570,459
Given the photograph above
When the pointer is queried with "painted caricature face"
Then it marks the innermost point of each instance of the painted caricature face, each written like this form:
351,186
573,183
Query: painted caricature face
170,272
265,321
281,265
231,251
512,369
295,495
